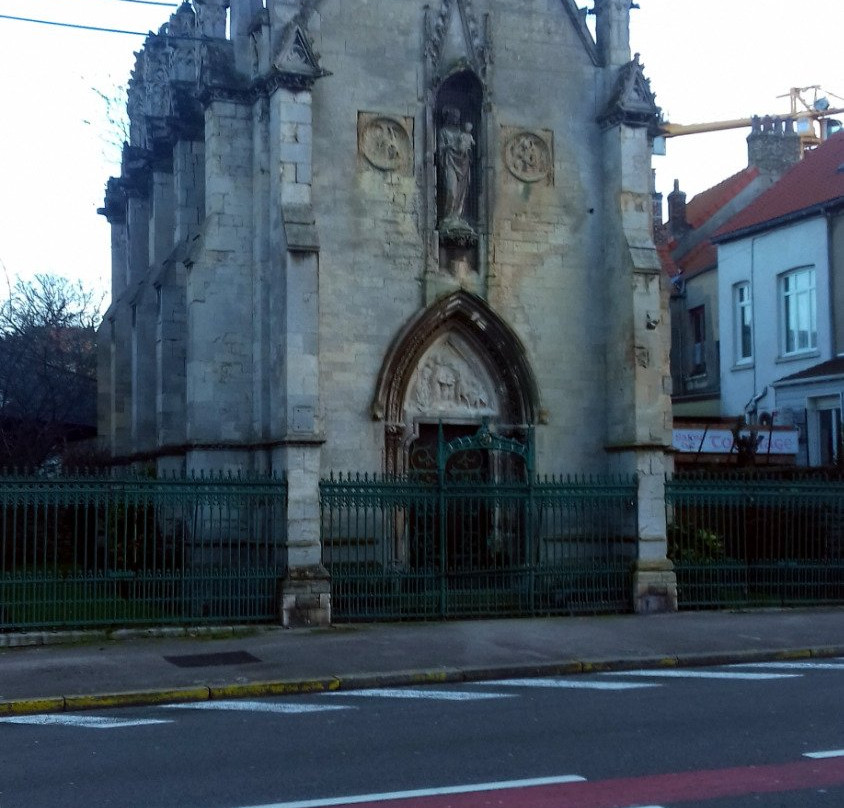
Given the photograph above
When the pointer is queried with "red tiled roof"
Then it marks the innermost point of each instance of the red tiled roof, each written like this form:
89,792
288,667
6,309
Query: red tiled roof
816,179
707,203
700,210
702,256
668,266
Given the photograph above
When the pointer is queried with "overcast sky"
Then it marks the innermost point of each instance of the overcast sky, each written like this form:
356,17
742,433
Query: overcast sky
707,60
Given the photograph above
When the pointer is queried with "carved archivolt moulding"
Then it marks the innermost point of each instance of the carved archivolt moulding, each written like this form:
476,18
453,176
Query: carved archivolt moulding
529,155
386,142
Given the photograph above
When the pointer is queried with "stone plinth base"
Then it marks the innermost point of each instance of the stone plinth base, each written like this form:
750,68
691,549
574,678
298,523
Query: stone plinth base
654,587
306,597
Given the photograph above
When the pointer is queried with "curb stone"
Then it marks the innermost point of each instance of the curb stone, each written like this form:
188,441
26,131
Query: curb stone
38,638
153,697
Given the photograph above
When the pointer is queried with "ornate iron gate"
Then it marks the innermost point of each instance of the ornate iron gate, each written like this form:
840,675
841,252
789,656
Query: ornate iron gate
471,531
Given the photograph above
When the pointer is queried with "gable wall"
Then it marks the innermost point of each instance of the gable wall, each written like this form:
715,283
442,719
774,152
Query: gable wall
544,252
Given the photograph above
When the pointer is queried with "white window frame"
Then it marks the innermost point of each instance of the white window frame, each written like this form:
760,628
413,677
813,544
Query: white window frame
742,307
798,308
815,406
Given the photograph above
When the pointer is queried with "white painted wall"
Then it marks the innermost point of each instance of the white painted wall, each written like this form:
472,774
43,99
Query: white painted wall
761,260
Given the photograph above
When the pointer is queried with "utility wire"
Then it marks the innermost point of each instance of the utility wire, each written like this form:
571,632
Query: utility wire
97,28
72,25
149,3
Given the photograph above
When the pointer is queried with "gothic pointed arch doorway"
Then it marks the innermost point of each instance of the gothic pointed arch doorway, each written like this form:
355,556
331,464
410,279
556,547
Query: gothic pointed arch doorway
459,403
458,363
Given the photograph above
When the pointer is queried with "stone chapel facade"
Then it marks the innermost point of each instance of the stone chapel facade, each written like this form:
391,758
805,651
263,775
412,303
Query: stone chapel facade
339,223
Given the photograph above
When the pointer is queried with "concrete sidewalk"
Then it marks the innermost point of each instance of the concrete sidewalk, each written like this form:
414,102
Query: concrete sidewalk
141,669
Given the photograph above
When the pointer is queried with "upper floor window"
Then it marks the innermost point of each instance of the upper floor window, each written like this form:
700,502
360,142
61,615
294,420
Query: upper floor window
743,322
697,327
799,311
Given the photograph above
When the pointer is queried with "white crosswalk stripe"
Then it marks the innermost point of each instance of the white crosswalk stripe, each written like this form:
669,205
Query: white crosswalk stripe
807,665
85,721
410,693
698,674
569,684
259,707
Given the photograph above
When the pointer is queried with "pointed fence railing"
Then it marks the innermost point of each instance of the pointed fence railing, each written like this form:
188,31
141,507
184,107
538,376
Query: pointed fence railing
756,539
99,550
425,546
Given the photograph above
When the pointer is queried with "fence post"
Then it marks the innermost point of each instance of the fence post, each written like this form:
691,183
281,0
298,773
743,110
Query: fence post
306,589
654,580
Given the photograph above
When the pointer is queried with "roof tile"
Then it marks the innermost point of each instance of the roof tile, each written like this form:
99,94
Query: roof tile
816,179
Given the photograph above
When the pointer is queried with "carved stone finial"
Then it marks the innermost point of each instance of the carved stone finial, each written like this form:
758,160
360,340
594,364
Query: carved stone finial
632,102
476,50
296,58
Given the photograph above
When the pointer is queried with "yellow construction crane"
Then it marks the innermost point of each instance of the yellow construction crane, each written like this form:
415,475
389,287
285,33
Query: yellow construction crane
812,118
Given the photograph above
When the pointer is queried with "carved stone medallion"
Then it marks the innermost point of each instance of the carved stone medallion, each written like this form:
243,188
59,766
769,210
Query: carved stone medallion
528,156
386,142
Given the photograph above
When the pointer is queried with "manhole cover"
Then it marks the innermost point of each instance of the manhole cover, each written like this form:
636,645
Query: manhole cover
211,660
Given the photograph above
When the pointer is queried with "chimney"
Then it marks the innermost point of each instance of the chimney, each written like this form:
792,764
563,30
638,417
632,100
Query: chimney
678,226
772,145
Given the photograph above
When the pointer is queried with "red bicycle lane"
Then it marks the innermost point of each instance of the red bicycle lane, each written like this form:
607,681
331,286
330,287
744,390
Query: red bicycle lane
627,792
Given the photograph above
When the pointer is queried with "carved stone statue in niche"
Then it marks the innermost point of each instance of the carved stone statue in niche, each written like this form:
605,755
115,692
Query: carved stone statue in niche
454,149
455,145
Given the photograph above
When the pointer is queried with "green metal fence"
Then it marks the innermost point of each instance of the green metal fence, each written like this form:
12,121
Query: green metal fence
88,551
409,547
756,541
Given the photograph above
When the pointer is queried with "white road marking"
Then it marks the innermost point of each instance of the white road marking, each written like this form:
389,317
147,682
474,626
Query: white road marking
832,753
86,721
798,666
574,684
257,707
427,792
692,674
409,693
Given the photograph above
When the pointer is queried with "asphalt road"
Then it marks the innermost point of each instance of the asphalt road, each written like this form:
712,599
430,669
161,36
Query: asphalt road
729,737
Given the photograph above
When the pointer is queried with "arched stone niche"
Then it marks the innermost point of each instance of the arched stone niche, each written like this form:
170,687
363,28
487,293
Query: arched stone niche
457,362
458,120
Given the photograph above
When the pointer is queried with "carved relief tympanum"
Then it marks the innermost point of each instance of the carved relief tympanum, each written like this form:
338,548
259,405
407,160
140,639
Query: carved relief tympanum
451,381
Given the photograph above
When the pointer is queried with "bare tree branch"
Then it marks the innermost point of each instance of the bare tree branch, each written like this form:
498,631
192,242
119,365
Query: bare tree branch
47,368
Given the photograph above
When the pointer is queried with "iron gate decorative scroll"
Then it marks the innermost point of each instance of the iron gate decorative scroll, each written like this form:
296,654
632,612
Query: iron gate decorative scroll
478,534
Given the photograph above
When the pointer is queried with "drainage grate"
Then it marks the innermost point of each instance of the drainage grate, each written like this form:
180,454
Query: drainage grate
211,660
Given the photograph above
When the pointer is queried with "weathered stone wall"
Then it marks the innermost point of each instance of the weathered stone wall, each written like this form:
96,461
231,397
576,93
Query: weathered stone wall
372,257
546,277
544,249
219,287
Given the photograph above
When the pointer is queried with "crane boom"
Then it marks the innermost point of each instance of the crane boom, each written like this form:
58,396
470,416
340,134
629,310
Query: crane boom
676,129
